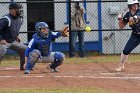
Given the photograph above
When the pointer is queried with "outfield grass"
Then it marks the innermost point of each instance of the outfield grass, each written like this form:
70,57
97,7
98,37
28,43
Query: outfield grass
56,90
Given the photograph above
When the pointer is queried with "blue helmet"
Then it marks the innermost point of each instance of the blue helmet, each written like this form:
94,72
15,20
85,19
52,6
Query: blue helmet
40,25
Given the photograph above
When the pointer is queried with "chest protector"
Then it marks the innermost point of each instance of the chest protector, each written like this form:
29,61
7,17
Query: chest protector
44,45
12,30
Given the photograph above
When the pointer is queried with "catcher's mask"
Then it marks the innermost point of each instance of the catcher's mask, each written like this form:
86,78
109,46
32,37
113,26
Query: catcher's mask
131,2
18,7
39,26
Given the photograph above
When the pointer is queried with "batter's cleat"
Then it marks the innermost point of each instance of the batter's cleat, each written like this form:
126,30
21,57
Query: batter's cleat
120,68
51,69
27,72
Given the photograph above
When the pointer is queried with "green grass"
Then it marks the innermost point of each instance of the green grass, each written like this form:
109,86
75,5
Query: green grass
56,90
14,60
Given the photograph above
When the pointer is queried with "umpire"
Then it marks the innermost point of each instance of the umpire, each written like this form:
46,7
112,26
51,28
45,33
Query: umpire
10,25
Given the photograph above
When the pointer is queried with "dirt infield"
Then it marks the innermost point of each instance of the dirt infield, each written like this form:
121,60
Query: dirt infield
99,75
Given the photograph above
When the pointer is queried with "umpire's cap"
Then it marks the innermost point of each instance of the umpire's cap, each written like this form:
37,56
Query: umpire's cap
14,5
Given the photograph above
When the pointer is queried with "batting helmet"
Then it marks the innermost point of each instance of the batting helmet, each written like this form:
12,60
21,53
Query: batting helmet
131,2
76,0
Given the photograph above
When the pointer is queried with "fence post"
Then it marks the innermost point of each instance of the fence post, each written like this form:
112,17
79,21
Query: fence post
70,48
100,25
85,15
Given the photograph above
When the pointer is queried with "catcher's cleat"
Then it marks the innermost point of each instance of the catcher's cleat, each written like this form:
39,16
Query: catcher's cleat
71,56
120,68
51,69
21,69
27,72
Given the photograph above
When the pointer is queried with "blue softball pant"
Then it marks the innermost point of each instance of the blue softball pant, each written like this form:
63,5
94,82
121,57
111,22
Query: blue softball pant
132,43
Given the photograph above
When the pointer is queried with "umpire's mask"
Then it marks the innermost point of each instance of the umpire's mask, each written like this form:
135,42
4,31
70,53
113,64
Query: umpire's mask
18,7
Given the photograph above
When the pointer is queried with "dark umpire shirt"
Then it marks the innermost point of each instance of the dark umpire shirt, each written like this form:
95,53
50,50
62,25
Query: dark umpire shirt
9,28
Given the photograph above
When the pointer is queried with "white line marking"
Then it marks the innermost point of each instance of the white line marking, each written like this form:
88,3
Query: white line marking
101,77
6,76
109,73
33,76
8,69
119,74
91,77
21,76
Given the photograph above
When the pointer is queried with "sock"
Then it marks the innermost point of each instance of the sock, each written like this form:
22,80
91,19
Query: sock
123,58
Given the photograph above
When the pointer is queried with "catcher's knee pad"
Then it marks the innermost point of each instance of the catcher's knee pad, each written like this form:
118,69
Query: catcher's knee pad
3,50
34,55
58,58
126,52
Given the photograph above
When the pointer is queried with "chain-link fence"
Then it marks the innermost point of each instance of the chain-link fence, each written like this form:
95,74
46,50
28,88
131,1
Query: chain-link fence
101,15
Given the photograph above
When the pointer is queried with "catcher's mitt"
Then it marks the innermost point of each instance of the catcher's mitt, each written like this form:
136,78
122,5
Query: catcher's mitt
65,32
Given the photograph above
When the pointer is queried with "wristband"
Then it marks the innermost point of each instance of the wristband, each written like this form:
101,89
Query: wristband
125,19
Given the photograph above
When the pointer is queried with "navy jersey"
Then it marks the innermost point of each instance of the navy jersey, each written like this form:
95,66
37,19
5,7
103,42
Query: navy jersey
9,28
44,45
135,28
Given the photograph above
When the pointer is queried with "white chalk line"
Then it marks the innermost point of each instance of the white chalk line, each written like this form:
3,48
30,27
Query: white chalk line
80,77
22,76
94,76
101,77
119,73
8,68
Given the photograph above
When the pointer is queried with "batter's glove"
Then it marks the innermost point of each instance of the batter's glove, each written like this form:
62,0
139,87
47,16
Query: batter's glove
65,32
136,24
136,19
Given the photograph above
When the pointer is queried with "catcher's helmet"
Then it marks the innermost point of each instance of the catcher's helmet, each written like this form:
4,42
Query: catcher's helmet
131,2
19,11
38,27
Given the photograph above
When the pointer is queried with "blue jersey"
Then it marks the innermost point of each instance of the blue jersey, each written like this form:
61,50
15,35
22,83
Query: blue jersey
44,45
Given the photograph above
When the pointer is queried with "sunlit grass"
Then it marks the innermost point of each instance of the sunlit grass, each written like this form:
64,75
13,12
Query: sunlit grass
14,59
56,90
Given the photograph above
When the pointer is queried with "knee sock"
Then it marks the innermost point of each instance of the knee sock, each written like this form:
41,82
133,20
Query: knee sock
123,58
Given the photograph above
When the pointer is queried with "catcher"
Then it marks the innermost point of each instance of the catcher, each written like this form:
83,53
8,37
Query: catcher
133,18
40,48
